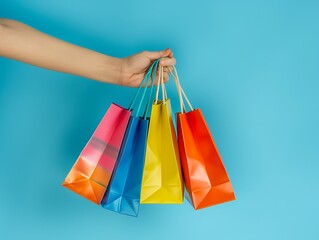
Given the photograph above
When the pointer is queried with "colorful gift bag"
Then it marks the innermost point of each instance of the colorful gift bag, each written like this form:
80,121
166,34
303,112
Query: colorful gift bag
204,173
162,177
92,171
123,192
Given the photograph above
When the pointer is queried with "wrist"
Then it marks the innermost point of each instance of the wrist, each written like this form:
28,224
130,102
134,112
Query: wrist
123,74
110,70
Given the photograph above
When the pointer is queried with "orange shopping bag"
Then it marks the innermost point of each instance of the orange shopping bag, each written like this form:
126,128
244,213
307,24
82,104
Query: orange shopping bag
204,173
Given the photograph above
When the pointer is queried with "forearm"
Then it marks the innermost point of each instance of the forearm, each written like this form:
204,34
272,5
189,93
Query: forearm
23,43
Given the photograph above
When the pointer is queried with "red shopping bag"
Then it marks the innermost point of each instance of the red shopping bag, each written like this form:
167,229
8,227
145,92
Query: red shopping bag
205,176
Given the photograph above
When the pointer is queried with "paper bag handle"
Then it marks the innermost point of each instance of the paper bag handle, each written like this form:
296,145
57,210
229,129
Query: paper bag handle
161,83
153,76
144,85
180,90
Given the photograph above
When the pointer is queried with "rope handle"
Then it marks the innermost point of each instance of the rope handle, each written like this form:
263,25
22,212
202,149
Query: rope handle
161,83
143,84
153,76
180,90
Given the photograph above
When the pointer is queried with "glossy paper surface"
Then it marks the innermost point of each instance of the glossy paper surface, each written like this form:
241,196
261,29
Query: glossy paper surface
162,178
91,172
204,173
123,192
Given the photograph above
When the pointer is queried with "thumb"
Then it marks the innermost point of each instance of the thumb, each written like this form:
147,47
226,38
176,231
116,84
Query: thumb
159,54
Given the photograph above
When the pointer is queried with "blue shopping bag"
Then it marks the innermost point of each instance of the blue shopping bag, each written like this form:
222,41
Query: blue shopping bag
123,192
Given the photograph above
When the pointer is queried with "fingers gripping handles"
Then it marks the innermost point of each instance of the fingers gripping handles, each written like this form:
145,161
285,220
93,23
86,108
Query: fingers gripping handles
149,79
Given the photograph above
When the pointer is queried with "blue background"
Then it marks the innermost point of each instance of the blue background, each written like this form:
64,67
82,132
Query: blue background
251,66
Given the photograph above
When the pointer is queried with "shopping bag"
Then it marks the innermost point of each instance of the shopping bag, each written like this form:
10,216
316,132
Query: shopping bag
162,177
91,172
123,192
204,173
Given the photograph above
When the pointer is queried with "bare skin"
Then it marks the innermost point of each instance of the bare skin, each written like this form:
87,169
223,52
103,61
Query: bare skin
26,44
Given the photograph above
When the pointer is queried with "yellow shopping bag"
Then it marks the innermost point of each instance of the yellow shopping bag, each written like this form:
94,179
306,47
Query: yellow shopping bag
162,177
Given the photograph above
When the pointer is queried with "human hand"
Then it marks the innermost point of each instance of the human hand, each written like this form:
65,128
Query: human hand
135,67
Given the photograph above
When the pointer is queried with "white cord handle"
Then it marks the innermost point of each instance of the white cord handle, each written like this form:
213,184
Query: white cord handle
180,90
161,82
